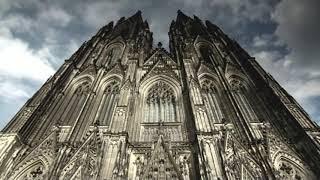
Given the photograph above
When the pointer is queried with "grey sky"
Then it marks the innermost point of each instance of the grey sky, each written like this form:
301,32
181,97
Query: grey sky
36,36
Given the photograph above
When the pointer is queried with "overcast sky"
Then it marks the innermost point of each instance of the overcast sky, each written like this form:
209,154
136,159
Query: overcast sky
36,36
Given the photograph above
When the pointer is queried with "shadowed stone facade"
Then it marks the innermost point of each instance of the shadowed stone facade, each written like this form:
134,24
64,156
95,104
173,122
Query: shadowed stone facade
120,108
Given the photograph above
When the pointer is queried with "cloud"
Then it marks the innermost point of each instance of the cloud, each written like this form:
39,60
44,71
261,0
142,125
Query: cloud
56,16
100,13
11,91
18,61
22,71
303,87
299,27
266,41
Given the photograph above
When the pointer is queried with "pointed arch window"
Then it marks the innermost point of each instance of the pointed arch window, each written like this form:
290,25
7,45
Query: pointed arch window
160,104
287,170
211,99
35,171
110,57
108,103
205,52
208,55
241,94
113,55
76,103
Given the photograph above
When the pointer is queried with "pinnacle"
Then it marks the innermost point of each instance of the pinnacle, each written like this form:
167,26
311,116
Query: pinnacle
138,12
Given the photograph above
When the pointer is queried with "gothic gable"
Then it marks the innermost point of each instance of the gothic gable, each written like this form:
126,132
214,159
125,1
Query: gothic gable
232,69
116,69
160,65
161,164
86,155
165,56
90,70
204,69
35,162
239,161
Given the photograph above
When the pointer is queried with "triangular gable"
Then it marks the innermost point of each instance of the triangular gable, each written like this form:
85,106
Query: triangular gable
44,152
82,154
91,70
161,156
160,67
232,69
116,69
81,148
48,143
204,69
77,175
165,55
158,70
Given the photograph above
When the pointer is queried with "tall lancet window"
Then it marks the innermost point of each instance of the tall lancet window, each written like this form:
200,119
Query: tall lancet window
110,56
108,103
114,55
160,104
76,103
243,103
206,53
211,99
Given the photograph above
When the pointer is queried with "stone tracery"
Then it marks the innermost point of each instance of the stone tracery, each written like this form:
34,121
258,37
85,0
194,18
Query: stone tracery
211,99
76,103
108,102
240,92
111,56
160,104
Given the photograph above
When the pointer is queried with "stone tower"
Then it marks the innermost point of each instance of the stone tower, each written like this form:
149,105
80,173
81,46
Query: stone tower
120,108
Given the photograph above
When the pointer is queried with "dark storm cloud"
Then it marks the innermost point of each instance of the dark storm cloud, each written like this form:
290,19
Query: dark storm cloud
47,32
299,28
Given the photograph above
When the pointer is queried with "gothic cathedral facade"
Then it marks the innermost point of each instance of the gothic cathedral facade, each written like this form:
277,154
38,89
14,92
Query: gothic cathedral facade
120,108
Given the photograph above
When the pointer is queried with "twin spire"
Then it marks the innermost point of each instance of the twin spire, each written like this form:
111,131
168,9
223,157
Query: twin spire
181,17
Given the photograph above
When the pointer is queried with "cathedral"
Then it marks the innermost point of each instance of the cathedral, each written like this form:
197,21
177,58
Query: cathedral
122,108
